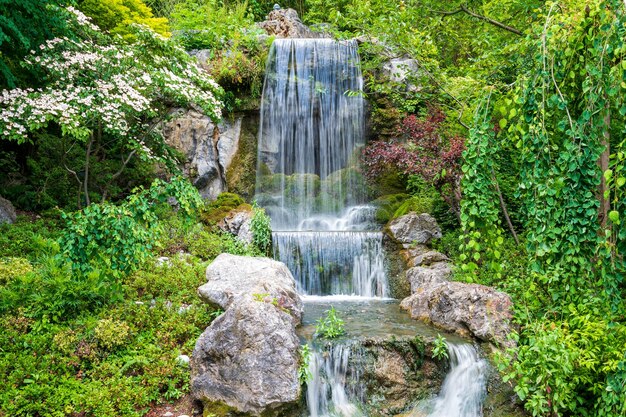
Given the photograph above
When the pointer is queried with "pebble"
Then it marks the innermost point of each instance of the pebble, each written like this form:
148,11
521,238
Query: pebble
168,414
183,359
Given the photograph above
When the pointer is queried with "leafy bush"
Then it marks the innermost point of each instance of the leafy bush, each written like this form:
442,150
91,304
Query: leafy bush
115,16
208,246
53,292
27,239
208,24
330,326
562,362
261,230
11,268
121,237
111,334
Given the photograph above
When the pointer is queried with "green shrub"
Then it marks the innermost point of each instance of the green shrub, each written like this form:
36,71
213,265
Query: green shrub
55,292
208,246
208,24
111,334
27,239
11,268
261,229
560,362
121,237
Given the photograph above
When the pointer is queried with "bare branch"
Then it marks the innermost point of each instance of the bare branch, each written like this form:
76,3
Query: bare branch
464,9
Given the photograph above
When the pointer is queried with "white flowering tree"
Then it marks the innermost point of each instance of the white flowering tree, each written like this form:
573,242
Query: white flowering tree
106,97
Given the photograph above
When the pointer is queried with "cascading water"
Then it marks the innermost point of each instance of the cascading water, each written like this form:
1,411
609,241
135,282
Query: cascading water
328,393
312,123
464,389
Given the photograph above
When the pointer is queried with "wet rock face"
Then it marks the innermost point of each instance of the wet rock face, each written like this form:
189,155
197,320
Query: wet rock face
467,309
209,148
393,374
285,23
413,229
7,211
247,361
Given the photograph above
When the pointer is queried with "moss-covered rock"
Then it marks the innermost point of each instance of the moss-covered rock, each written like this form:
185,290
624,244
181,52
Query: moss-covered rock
241,174
387,205
216,210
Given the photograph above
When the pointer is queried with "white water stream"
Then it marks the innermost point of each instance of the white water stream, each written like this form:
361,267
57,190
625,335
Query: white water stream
463,390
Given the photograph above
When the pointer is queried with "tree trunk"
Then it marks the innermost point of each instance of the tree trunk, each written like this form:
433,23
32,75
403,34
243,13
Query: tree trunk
86,180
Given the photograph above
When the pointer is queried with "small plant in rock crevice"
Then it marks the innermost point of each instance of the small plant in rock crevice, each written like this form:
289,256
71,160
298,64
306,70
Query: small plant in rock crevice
304,374
440,348
331,326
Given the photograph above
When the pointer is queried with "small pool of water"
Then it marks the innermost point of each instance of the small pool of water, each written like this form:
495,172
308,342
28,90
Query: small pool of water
367,318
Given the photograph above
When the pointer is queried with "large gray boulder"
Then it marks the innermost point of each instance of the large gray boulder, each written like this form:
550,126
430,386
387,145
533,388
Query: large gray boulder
209,149
7,211
230,276
413,229
285,23
248,360
467,309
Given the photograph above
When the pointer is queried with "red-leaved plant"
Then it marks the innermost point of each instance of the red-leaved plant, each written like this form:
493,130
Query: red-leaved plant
422,148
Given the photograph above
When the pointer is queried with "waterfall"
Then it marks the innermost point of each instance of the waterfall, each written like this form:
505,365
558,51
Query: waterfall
308,178
312,121
331,263
464,389
328,393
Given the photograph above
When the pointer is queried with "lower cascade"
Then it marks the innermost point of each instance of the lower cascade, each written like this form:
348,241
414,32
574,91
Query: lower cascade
464,388
328,393
335,388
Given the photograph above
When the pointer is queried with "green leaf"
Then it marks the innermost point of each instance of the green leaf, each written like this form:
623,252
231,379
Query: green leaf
614,216
502,123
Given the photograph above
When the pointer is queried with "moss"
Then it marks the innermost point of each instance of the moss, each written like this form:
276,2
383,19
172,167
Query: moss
241,174
388,205
218,209
418,204
390,182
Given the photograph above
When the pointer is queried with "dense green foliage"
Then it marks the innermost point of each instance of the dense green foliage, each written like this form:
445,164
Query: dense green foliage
115,16
24,25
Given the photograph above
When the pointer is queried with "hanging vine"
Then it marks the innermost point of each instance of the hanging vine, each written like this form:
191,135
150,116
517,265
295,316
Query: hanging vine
480,221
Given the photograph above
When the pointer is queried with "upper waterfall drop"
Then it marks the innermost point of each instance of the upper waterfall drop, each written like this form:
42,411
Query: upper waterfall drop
312,123
308,178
